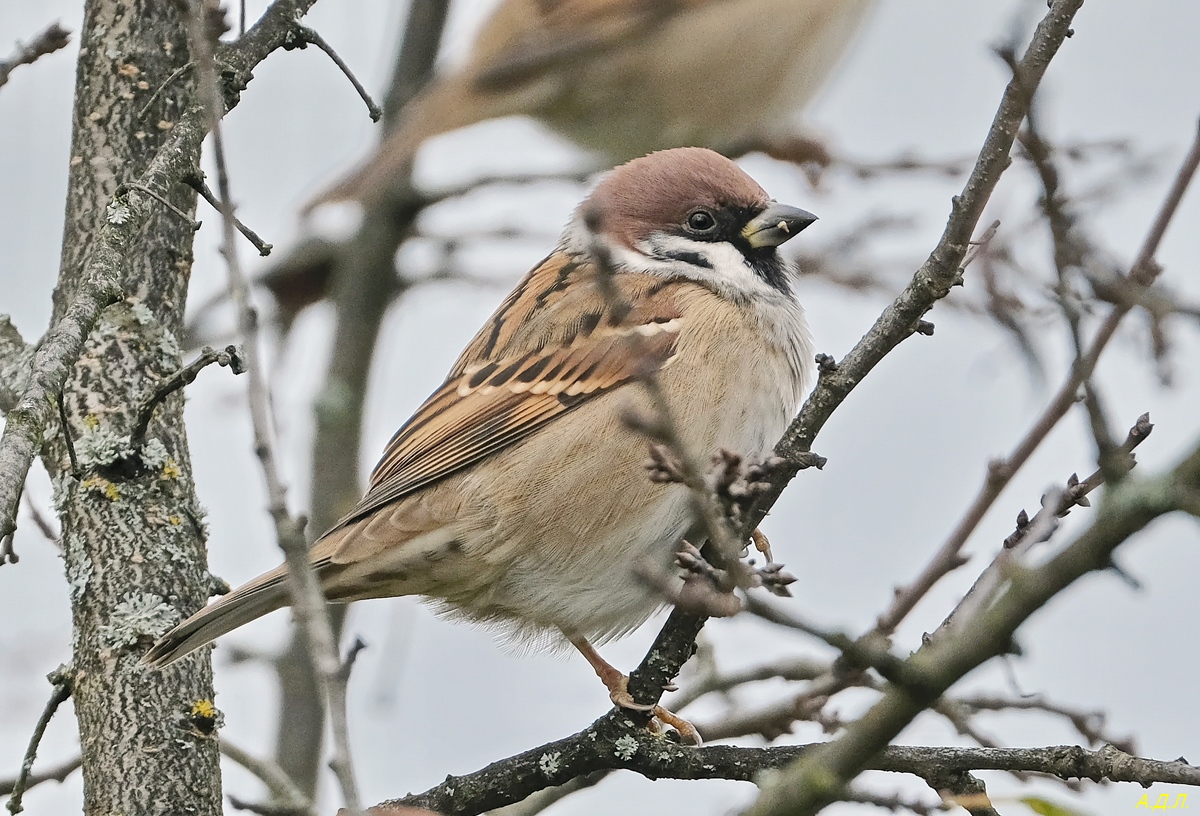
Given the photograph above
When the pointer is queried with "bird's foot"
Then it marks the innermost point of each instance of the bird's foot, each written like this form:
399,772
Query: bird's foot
621,698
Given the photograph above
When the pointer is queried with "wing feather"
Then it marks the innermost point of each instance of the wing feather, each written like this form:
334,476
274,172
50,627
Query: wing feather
513,379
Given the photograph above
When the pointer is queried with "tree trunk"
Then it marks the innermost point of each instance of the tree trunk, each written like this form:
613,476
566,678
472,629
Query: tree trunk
132,531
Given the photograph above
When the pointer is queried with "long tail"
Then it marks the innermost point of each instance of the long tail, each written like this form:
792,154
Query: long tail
264,594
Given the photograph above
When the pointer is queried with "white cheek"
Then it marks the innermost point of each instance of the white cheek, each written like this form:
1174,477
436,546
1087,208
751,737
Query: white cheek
727,269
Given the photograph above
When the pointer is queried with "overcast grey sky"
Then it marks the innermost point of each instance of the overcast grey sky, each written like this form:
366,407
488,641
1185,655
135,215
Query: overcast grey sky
906,452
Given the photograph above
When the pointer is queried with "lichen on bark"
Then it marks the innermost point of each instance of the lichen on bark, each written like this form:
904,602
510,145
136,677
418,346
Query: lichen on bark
132,537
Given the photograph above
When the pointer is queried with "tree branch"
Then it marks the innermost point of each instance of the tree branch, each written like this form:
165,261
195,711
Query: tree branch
611,744
62,680
816,780
361,277
49,41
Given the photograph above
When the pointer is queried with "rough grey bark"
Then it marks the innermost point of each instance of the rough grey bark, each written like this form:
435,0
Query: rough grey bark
133,537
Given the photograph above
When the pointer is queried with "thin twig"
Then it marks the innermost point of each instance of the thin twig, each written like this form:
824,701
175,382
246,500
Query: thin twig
49,41
229,356
187,219
174,75
68,442
308,601
1031,531
311,36
1001,472
62,680
40,521
197,183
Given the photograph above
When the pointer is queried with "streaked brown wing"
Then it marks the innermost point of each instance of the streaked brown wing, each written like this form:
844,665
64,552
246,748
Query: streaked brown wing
491,402
574,30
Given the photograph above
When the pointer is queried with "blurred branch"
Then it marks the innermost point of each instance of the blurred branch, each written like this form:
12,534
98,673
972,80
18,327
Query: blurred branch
1089,724
362,280
52,39
287,797
308,601
1000,472
58,773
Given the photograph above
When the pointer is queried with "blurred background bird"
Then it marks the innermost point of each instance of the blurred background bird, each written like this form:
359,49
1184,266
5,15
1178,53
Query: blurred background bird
619,79
623,78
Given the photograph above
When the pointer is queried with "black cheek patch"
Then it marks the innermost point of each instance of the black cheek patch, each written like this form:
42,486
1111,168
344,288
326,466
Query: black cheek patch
691,258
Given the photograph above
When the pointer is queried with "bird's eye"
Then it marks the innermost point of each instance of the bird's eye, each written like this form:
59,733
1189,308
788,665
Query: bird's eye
701,221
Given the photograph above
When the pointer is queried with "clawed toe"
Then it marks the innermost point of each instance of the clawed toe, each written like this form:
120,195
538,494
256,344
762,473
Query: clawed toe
621,698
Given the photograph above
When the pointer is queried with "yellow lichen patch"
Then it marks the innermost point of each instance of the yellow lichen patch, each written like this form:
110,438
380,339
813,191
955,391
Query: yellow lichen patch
176,520
205,719
170,471
204,708
92,421
103,487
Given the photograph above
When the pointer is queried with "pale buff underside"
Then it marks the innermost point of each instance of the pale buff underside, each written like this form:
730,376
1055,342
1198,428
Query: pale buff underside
470,541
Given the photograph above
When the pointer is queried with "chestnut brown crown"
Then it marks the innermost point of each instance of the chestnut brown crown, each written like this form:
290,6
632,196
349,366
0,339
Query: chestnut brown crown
661,189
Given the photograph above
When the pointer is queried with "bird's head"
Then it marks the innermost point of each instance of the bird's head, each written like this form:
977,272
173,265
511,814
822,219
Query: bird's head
692,212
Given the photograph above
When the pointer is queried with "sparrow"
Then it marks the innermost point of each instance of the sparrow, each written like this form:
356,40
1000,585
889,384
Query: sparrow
517,495
627,77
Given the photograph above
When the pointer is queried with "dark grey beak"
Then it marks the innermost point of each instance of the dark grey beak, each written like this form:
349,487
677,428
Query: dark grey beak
776,224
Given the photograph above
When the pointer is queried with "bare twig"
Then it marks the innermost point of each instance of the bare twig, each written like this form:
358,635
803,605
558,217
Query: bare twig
1075,494
1000,472
1031,531
62,679
229,356
817,779
197,183
49,41
1089,724
174,75
308,35
187,219
40,521
308,601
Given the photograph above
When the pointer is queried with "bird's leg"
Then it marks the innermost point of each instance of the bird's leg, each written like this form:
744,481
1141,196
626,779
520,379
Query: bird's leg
612,678
617,684
762,544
